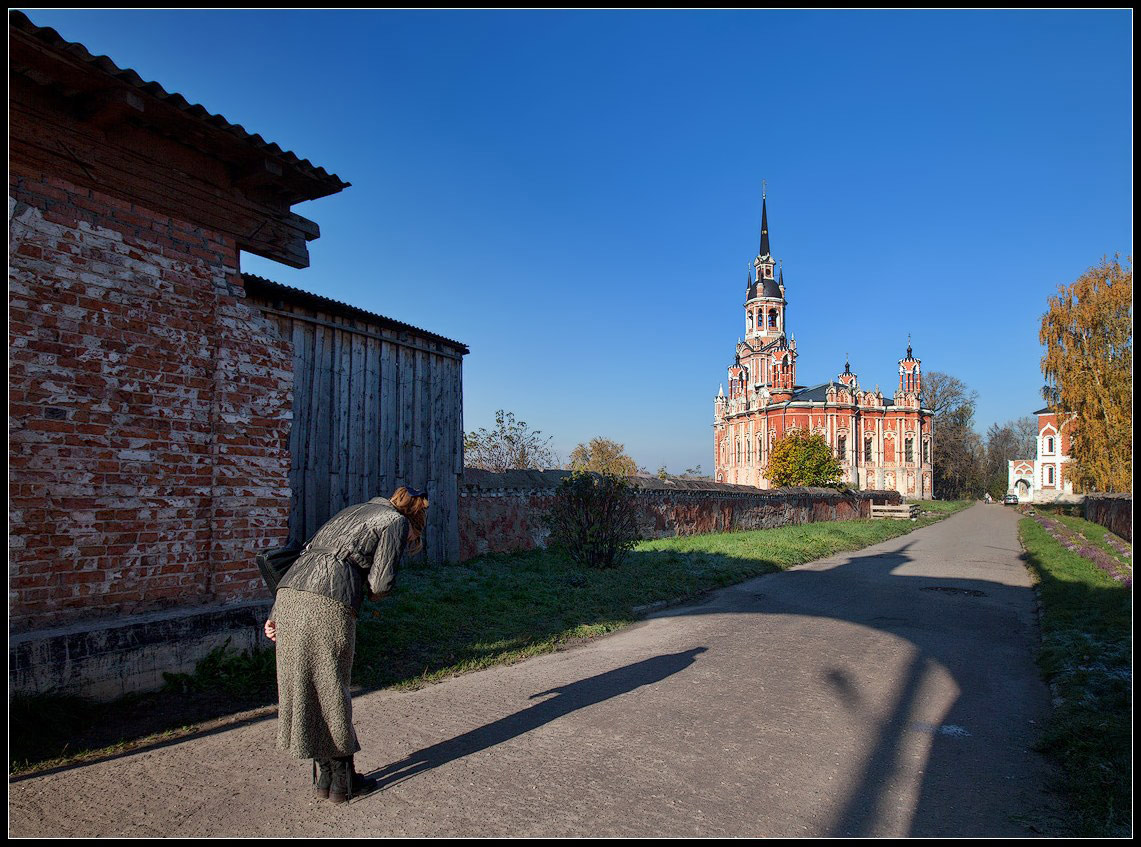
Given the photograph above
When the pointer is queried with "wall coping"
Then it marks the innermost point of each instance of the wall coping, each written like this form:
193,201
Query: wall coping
476,481
107,624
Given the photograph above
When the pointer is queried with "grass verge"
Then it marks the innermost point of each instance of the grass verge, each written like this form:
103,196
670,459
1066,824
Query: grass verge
1086,657
944,507
446,620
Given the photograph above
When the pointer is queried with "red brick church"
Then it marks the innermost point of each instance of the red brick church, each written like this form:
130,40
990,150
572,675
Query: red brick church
882,442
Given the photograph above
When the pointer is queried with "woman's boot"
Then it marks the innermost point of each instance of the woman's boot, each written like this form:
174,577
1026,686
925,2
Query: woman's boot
340,783
347,783
323,779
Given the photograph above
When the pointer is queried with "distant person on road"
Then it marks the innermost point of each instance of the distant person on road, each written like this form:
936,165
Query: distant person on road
313,624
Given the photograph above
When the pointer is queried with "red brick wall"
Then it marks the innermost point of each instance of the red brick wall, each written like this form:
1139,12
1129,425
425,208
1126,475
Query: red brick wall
1113,511
149,411
504,512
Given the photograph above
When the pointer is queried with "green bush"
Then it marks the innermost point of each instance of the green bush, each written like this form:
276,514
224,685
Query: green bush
592,519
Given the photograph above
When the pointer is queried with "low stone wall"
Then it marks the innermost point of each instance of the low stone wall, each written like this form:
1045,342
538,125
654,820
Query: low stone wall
503,512
1113,511
108,659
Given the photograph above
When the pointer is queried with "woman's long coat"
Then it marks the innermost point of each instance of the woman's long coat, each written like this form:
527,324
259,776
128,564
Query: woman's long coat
315,615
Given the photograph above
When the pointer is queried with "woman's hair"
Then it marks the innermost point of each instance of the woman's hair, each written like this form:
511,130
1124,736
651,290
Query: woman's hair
414,506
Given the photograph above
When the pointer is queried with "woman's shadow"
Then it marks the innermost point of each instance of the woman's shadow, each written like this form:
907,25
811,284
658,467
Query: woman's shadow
576,695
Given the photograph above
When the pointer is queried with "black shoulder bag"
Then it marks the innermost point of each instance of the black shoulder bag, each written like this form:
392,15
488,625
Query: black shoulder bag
274,564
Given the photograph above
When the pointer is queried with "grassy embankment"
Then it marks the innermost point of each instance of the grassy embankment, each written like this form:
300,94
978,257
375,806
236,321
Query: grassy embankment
1086,657
441,621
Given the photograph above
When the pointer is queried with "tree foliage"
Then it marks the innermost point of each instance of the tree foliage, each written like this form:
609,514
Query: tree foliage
1088,333
512,445
803,458
958,457
593,519
602,456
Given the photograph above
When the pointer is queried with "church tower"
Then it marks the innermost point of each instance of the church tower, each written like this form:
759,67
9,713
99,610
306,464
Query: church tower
910,388
764,297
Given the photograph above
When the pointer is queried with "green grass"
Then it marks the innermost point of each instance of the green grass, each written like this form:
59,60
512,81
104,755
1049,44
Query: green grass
497,609
1086,656
944,507
1095,533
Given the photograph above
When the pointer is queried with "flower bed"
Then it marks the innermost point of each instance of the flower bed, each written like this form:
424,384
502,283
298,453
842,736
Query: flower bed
1078,543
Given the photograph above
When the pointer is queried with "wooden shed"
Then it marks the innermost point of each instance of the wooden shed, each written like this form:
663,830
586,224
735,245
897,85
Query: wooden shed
376,404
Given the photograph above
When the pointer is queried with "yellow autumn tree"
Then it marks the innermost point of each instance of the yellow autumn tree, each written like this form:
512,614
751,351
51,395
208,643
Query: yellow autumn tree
602,456
1088,333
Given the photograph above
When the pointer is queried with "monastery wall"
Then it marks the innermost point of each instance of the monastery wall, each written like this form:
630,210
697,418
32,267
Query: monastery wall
503,512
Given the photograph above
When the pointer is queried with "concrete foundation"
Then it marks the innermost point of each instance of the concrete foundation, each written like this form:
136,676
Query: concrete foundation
105,660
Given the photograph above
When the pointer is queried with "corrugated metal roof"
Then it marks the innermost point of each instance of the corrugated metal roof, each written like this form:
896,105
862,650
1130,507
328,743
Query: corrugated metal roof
260,286
327,183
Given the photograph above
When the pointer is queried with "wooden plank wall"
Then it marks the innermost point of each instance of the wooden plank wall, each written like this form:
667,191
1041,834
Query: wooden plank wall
371,414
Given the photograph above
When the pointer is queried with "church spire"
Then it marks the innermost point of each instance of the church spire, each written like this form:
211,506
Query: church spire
764,226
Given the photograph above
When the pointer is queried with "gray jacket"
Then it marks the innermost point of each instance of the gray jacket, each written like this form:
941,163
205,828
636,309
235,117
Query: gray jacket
360,544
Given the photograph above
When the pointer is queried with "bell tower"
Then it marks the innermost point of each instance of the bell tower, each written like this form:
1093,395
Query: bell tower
765,305
910,380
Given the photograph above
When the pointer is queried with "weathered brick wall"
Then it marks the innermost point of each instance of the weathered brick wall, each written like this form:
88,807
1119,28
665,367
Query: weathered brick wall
504,512
1113,511
149,411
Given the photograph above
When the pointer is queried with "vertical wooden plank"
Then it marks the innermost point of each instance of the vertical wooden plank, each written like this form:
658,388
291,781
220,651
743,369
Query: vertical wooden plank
438,516
372,433
317,508
455,426
298,430
389,417
407,413
458,412
440,454
358,390
341,411
422,414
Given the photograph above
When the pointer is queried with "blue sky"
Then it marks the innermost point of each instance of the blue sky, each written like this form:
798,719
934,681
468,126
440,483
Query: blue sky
576,195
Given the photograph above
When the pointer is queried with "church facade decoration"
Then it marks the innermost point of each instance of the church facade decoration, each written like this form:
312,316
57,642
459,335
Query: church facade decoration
882,442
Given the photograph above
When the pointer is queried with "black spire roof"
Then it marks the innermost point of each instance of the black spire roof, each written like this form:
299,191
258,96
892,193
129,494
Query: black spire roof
764,229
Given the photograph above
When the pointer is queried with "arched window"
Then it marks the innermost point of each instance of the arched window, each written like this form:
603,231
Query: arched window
738,451
908,451
1050,475
868,449
926,452
749,321
1050,445
760,446
772,318
748,451
841,445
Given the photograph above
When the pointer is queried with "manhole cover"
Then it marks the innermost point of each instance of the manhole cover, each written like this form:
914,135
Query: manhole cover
946,589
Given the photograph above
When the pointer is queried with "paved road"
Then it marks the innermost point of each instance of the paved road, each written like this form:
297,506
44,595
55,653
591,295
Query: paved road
887,692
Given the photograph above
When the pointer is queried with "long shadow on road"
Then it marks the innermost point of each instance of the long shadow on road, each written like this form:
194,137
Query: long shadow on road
566,699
